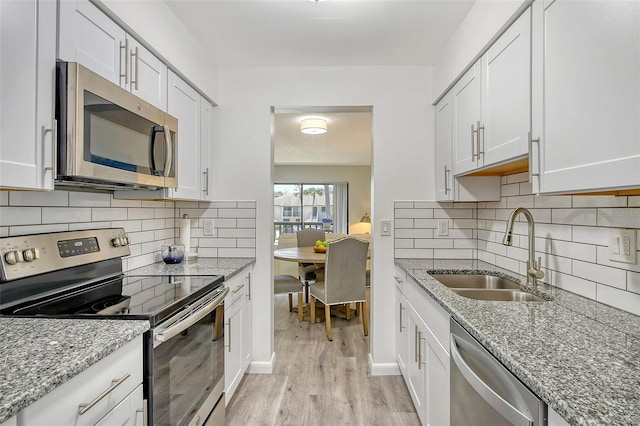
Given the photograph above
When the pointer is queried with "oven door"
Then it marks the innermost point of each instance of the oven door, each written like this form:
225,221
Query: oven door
188,364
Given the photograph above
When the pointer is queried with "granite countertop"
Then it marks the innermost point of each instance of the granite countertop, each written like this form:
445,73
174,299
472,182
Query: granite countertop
200,266
577,355
38,355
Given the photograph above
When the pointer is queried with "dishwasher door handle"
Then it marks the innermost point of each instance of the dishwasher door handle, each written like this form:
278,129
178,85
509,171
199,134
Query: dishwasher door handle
498,403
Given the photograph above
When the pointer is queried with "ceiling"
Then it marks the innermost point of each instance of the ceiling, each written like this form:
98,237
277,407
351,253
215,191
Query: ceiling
324,33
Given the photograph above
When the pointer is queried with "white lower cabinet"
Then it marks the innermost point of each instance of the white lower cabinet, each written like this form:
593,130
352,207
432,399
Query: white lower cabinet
107,393
422,351
237,321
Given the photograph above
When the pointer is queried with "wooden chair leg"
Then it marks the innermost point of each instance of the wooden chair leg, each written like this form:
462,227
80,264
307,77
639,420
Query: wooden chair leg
365,320
290,302
300,310
358,309
327,314
348,311
312,309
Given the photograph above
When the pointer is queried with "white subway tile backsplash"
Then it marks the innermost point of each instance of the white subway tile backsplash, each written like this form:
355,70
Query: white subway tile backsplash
518,177
11,216
163,213
619,298
402,243
88,199
139,213
552,201
151,224
574,216
431,243
575,285
426,205
602,274
225,223
77,226
66,214
413,253
413,233
510,190
246,204
414,213
221,204
116,202
619,218
591,235
237,213
27,198
454,254
246,223
633,282
424,223
557,232
405,223
520,201
246,243
454,213
634,201
37,229
237,233
603,259
104,214
4,198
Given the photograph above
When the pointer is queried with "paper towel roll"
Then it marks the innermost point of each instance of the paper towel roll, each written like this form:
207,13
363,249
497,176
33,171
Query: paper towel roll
185,233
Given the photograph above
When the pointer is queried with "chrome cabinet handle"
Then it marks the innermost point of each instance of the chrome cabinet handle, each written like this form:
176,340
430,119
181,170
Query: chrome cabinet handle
125,47
132,54
54,147
169,145
473,144
228,324
402,308
446,179
398,279
420,354
206,181
503,407
238,289
248,280
83,408
415,343
531,173
480,151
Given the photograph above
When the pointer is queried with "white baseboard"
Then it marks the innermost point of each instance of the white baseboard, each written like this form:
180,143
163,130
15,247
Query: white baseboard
262,367
383,369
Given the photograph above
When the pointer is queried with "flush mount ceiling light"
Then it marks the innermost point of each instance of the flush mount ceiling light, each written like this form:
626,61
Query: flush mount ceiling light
313,126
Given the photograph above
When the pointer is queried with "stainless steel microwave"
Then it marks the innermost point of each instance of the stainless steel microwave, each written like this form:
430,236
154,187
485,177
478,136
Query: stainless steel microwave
109,138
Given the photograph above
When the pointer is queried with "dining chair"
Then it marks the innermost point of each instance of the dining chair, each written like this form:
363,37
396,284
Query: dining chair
307,238
344,280
283,284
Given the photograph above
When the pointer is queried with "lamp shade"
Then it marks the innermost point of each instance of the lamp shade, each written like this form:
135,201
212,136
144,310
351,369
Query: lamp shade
365,218
313,126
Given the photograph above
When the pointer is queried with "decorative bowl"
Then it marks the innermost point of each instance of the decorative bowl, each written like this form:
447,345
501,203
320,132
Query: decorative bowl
173,253
319,249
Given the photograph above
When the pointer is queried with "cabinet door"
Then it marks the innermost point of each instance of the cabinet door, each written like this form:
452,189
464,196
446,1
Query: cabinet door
437,383
417,364
27,42
147,75
129,412
91,38
586,66
206,142
233,355
506,94
466,115
247,318
184,104
444,174
402,334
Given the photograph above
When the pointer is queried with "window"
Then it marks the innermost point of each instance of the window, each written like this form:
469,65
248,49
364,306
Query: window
305,205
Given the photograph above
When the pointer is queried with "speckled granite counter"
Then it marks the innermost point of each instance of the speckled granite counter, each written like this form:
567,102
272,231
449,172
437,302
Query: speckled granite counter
581,357
38,355
201,266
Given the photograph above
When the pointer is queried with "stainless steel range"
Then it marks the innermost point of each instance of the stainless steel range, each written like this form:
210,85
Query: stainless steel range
78,274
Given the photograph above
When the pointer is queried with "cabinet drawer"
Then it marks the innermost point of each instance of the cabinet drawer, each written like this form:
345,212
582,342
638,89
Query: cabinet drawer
238,289
128,412
434,315
63,403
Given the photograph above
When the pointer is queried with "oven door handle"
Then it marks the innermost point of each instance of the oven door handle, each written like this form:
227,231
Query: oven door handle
161,335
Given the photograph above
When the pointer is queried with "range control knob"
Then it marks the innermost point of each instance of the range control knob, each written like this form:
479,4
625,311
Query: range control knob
117,242
126,241
30,254
12,257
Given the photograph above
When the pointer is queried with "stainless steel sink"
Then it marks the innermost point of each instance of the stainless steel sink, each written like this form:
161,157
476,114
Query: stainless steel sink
475,281
498,295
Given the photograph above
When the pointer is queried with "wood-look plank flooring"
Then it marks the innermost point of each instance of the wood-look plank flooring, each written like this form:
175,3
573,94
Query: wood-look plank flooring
318,382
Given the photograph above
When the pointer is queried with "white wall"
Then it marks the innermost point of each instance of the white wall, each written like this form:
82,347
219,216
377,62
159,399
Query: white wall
402,166
482,22
156,24
358,178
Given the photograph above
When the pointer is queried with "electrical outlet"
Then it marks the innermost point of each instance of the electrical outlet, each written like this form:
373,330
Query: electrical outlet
443,227
207,227
622,245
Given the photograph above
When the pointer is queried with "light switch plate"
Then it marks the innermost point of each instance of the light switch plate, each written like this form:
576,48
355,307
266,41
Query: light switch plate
623,245
385,227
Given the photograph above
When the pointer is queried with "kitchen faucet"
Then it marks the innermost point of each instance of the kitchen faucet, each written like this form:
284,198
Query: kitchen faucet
534,273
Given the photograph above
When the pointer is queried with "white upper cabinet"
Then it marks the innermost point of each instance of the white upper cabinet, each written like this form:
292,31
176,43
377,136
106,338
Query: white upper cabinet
444,173
586,104
88,36
27,123
492,103
466,118
506,94
206,140
147,75
184,104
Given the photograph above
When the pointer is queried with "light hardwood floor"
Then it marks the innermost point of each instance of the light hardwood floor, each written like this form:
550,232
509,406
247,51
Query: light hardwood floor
318,382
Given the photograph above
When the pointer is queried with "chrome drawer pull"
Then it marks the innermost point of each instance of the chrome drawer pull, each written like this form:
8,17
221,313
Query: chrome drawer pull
83,408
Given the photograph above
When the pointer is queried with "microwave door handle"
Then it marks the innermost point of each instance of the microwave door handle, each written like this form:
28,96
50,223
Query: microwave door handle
169,156
152,145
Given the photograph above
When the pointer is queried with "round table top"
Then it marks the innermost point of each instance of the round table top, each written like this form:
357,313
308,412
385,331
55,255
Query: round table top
300,254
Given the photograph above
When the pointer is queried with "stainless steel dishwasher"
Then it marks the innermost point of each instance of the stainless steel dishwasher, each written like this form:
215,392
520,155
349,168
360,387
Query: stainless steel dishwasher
484,392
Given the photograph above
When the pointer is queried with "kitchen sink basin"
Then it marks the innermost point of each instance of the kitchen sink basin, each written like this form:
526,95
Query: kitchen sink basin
498,295
475,281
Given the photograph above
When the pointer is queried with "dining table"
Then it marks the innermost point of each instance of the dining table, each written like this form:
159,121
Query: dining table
301,255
